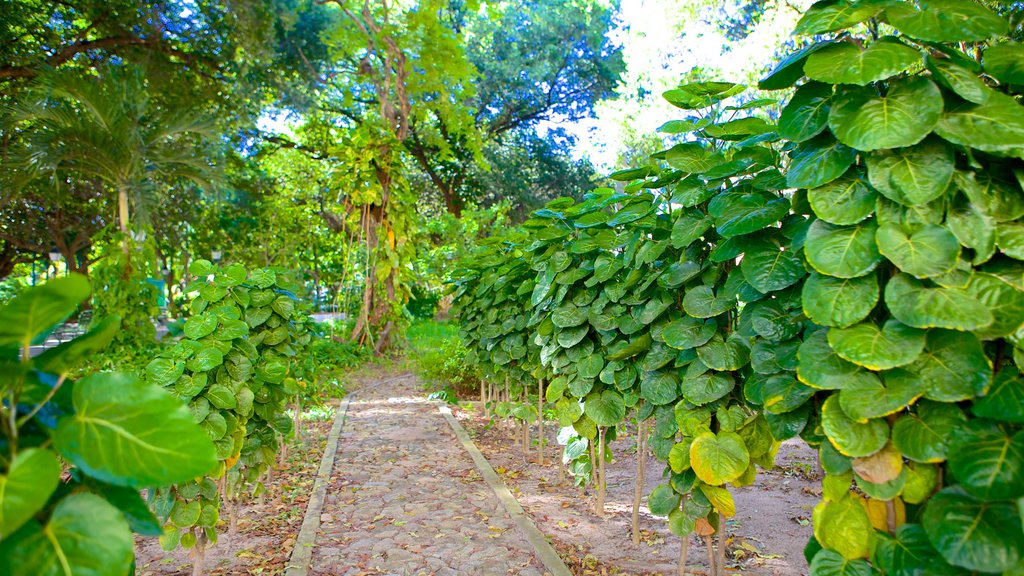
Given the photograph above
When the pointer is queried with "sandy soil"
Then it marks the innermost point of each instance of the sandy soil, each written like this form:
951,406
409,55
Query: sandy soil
767,535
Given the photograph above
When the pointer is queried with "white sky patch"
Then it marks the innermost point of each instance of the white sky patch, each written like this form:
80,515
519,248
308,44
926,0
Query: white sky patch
660,47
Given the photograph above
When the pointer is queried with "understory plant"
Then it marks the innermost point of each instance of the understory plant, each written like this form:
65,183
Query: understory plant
74,455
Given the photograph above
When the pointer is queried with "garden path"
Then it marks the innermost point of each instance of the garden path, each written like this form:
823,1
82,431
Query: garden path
405,498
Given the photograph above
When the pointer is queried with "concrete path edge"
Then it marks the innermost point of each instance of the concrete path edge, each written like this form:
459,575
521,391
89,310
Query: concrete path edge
547,554
302,553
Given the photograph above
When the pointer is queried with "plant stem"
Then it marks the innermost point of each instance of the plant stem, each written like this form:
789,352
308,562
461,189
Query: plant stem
540,422
49,396
684,549
638,484
602,486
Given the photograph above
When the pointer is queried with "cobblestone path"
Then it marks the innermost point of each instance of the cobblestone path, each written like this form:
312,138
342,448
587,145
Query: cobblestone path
405,498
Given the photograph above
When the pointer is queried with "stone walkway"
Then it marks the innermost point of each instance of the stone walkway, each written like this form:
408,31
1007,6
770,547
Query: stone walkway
405,498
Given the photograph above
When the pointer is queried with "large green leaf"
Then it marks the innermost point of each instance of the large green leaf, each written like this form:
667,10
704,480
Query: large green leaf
702,302
768,268
725,355
707,387
1005,301
865,121
1005,61
164,371
972,227
842,251
983,536
922,435
659,388
663,500
867,398
783,393
987,461
820,367
568,315
688,332
829,563
894,344
200,325
690,225
790,69
32,314
914,305
843,526
852,438
85,536
996,126
929,251
913,176
720,458
839,302
946,20
806,114
605,408
1005,399
833,16
851,63
31,477
847,200
743,213
997,197
205,360
64,358
818,161
903,553
130,433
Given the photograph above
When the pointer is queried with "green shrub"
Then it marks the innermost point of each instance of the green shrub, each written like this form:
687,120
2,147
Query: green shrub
447,366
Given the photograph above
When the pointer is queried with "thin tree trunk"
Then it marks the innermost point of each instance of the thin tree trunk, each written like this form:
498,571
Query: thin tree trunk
540,422
199,554
720,563
298,418
684,549
602,486
638,486
594,474
712,571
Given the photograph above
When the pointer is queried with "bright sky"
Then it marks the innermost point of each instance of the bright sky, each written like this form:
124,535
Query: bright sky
662,41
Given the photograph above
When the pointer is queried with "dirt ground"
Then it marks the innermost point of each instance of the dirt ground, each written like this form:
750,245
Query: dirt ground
265,532
767,535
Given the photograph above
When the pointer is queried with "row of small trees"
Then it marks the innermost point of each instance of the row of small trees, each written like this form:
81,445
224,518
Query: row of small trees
850,275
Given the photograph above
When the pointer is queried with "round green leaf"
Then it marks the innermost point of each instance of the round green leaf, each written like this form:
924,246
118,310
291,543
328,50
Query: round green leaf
164,371
767,268
84,536
201,268
201,325
231,329
790,70
1005,301
922,435
688,332
231,275
830,563
263,278
988,462
914,305
738,213
913,176
725,355
720,458
945,20
995,126
865,121
851,63
284,306
953,365
31,478
605,408
130,433
783,393
824,17
568,315
894,344
852,438
845,201
820,367
1005,399
983,536
839,302
206,359
818,161
186,514
930,251
663,500
806,114
702,302
867,398
1005,61
843,526
842,251
707,387
659,388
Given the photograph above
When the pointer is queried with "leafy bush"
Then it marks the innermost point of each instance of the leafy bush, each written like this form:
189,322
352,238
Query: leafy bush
447,367
78,452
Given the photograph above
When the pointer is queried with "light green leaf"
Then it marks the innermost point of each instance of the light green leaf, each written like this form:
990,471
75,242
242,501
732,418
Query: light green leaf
806,114
914,305
842,251
1005,61
987,461
930,251
767,268
845,201
868,398
865,344
922,435
605,408
850,63
865,121
913,176
130,433
996,126
946,21
818,161
720,458
31,315
688,332
843,526
983,536
31,478
852,438
839,302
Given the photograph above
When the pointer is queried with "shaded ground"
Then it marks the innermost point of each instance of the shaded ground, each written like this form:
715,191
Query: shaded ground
769,532
265,533
405,498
